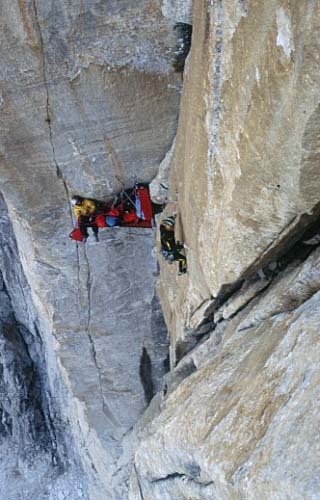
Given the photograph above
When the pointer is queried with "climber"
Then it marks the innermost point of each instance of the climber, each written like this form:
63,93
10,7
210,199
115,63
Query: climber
86,206
130,208
170,248
85,210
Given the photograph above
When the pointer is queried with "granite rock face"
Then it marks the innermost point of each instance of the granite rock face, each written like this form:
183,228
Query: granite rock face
89,104
179,10
90,96
245,423
238,415
245,165
38,457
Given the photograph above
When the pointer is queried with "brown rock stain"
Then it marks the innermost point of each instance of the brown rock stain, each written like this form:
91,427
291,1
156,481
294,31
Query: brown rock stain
27,25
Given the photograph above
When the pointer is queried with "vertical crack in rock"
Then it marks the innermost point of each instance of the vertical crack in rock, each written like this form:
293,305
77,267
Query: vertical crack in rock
48,120
105,408
48,104
138,481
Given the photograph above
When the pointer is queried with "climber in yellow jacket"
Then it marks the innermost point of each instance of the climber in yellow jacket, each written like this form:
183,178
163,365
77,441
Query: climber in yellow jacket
85,211
83,206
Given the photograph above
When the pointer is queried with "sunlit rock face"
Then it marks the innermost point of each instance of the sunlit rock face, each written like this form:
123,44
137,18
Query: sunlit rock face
245,168
238,415
245,423
89,105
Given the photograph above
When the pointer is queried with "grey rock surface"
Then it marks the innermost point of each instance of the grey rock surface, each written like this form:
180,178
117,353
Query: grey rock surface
89,104
244,170
179,10
33,438
105,351
88,95
239,414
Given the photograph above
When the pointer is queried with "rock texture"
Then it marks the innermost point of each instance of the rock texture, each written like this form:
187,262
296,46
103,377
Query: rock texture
245,423
79,68
179,10
33,438
246,154
238,415
89,104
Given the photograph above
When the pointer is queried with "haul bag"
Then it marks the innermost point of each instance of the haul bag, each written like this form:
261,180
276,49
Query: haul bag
145,204
113,212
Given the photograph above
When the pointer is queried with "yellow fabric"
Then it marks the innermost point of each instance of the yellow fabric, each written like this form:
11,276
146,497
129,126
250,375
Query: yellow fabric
87,207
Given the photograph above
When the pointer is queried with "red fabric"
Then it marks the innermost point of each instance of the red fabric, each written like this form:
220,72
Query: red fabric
146,207
129,217
138,223
76,235
143,223
113,212
100,220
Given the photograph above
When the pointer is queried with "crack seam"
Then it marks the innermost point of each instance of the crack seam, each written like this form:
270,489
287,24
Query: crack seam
105,409
277,313
48,120
175,475
48,105
138,481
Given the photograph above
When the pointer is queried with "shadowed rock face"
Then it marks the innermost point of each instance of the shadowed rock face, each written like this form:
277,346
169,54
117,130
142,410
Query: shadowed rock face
38,456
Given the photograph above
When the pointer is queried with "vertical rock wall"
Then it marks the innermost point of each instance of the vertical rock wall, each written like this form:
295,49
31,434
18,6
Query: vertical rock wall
89,104
238,417
245,159
34,439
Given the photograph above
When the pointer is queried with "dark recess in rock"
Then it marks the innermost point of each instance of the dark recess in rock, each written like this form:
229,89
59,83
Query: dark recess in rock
146,375
184,35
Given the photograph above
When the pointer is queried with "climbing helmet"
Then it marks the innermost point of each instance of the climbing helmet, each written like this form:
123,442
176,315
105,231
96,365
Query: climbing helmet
75,200
169,221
